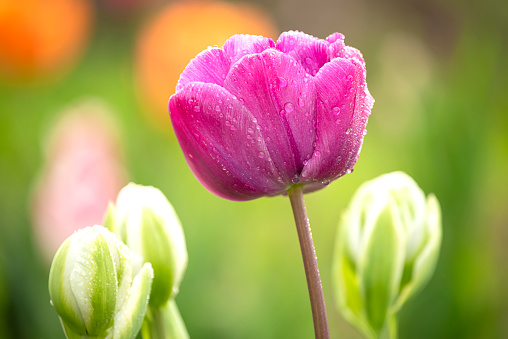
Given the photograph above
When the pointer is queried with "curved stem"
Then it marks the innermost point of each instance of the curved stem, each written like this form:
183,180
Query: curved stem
317,300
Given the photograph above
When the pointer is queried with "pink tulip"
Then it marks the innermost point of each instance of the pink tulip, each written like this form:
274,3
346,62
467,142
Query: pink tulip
256,117
83,172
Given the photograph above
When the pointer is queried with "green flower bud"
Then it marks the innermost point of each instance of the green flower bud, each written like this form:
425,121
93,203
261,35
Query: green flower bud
386,250
91,286
146,222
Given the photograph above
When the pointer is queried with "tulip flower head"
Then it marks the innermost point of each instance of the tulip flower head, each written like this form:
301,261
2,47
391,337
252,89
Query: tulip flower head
146,222
95,289
255,117
387,249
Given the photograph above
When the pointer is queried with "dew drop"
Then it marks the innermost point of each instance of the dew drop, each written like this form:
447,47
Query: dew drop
197,109
325,182
261,155
305,162
308,60
250,130
348,131
294,83
336,110
289,107
217,108
301,102
282,82
295,179
364,132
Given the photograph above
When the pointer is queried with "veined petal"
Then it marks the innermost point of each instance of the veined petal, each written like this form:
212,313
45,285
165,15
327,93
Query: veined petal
309,51
343,107
242,44
281,96
209,66
222,143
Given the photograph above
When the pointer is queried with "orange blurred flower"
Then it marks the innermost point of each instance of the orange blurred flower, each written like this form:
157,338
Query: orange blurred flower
41,37
83,171
180,31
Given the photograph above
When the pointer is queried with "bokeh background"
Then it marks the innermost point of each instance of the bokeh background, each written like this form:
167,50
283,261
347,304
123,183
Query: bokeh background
83,97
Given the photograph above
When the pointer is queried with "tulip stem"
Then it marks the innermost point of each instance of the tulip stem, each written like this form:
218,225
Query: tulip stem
317,300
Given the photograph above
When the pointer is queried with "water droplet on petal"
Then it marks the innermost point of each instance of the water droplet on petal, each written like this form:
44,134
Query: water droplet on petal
348,131
308,60
282,82
301,102
289,107
197,109
364,132
217,108
261,155
295,179
336,110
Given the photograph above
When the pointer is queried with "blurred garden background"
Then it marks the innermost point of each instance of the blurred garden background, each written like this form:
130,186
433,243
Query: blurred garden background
84,87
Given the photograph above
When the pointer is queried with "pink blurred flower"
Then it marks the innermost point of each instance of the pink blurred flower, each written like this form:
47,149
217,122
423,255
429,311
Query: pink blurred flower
83,171
256,117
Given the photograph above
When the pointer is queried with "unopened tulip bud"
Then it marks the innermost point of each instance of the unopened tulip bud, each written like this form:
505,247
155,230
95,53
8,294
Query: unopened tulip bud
146,222
387,249
91,286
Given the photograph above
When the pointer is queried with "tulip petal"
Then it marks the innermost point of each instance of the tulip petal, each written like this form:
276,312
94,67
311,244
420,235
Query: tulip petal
343,107
281,96
337,48
309,51
222,143
242,44
209,66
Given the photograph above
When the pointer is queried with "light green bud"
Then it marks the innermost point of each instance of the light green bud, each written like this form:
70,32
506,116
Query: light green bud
92,289
146,222
386,250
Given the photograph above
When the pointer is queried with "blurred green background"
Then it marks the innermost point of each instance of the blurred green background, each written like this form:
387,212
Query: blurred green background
438,71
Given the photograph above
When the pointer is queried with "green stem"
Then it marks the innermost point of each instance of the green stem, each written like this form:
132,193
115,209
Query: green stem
317,300
392,327
159,325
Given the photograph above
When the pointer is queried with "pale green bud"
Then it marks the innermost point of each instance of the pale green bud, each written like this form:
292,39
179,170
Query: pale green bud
146,222
387,250
91,286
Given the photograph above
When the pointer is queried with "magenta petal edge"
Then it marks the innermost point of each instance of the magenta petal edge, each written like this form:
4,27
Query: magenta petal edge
256,117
